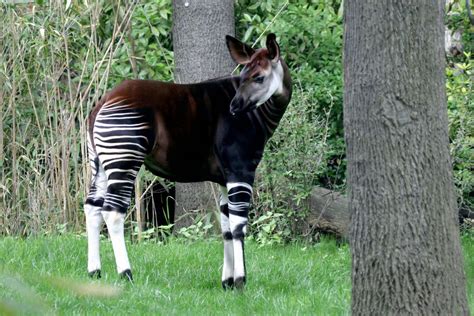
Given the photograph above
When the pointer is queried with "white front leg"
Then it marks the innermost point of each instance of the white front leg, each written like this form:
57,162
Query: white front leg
239,263
239,257
239,195
115,222
228,267
94,222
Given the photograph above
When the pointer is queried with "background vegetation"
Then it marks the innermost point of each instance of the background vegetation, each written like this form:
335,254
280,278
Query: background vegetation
58,58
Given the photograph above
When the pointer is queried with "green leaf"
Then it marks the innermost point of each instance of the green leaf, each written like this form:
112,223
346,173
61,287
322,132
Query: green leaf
163,14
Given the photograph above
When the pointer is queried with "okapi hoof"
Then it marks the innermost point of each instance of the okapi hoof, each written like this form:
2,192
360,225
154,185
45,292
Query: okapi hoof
95,274
127,275
228,284
239,283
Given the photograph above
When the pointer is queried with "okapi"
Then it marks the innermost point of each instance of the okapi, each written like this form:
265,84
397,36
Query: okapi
215,131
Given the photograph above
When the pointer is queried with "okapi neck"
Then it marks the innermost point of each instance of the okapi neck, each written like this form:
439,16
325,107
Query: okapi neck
282,99
270,113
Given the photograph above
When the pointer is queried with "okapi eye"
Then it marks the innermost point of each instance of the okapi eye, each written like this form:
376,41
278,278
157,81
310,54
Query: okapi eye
259,79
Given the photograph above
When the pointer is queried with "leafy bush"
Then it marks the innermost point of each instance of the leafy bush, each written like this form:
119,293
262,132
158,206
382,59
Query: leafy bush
292,162
461,127
147,50
310,35
460,94
307,148
457,20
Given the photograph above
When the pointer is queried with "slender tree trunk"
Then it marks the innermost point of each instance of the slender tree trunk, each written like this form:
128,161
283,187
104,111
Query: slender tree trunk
406,254
199,30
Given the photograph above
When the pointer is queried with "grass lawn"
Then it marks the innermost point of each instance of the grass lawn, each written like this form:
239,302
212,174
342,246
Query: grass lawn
46,275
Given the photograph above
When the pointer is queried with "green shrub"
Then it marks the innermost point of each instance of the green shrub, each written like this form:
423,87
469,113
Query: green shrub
291,165
460,94
310,35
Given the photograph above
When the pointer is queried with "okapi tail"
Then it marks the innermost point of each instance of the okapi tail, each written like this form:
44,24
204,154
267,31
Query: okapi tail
91,119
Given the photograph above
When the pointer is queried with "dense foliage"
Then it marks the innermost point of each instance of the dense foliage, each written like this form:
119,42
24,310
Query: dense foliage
460,92
308,147
57,58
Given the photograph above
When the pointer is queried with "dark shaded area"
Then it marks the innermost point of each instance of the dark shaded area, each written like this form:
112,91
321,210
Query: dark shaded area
160,206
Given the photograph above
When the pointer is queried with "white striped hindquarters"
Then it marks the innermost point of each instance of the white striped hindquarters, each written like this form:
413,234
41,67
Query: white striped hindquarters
121,142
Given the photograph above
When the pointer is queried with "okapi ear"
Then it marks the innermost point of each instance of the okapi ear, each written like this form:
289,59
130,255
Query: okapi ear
239,51
272,47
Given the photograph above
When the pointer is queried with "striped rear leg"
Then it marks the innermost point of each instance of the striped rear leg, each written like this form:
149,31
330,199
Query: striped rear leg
92,210
121,137
239,196
228,267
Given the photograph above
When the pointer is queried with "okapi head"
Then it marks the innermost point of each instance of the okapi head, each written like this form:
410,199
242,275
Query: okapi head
261,77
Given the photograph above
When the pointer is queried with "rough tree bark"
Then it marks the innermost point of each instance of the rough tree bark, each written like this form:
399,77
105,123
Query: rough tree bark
406,255
199,30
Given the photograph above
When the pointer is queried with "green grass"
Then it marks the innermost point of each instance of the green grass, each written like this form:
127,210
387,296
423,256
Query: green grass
47,275
468,249
176,278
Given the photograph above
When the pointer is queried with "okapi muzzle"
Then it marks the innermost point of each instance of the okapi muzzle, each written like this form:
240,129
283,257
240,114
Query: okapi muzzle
261,77
186,133
240,105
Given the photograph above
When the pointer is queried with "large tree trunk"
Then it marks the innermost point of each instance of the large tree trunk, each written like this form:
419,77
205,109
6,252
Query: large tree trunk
406,255
199,29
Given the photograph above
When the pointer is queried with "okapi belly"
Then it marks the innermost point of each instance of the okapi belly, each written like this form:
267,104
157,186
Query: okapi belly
185,169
